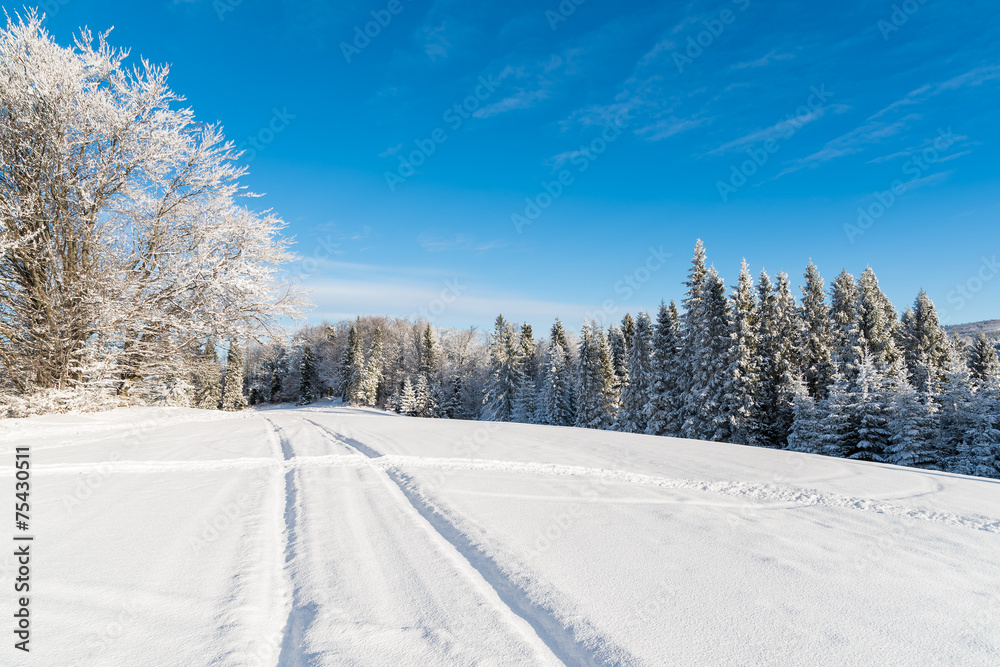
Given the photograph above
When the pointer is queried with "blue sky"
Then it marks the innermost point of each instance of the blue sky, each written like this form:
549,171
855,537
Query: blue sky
765,129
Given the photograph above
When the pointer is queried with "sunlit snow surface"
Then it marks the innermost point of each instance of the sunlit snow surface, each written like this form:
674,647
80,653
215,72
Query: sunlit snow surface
335,536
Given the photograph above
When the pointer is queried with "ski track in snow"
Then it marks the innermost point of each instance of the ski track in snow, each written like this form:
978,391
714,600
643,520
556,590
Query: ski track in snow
300,614
543,622
773,495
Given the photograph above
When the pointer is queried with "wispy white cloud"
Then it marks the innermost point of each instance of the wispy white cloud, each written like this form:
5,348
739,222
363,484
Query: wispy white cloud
457,242
764,60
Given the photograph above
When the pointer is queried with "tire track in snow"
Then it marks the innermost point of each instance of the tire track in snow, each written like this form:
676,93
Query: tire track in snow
560,638
775,495
300,614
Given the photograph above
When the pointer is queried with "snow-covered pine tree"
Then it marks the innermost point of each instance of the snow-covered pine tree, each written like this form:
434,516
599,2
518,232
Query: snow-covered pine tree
505,373
628,332
279,369
911,427
806,434
632,415
817,338
597,384
372,376
984,366
980,453
208,378
557,406
837,413
664,406
232,394
706,408
352,374
956,415
880,328
308,377
743,369
619,353
525,409
872,405
925,344
778,357
408,404
452,407
845,314
692,339
529,353
425,402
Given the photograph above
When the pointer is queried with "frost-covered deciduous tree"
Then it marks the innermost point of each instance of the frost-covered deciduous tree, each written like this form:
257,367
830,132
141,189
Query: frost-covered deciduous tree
123,239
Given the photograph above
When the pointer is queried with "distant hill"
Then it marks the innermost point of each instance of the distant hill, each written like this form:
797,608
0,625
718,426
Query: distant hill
969,331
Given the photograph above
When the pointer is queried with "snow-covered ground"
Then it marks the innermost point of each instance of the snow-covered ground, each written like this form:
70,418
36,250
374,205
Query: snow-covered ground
335,536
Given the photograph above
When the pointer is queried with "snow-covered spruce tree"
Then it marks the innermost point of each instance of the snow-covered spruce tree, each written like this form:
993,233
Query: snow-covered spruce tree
706,408
207,378
845,313
743,369
664,407
525,403
408,404
957,418
980,453
505,373
372,379
984,366
308,378
557,406
837,414
628,332
352,365
806,435
136,244
692,338
597,395
619,355
424,400
817,338
925,345
279,369
778,355
529,352
232,393
872,405
880,328
635,396
911,428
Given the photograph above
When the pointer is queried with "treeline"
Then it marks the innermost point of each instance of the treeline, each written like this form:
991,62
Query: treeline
836,372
